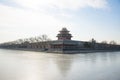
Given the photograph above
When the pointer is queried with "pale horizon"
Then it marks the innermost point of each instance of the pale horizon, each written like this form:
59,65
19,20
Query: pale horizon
85,19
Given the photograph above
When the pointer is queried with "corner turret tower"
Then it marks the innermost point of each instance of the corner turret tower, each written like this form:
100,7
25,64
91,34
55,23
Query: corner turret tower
64,34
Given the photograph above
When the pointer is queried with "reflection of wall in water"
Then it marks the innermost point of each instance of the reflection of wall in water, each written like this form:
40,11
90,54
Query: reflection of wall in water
64,63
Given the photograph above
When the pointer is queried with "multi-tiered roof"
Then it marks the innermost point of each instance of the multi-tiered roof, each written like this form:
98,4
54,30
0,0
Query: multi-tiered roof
64,35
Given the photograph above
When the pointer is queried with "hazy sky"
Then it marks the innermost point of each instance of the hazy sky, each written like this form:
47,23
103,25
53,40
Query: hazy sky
86,19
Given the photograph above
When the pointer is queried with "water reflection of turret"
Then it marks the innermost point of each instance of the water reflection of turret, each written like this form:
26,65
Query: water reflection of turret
64,63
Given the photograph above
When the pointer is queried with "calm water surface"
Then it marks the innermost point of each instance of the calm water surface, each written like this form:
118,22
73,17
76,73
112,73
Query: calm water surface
25,65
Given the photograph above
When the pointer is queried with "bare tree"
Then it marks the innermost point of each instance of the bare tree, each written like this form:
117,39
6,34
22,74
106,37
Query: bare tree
104,42
20,41
113,42
42,38
36,39
32,40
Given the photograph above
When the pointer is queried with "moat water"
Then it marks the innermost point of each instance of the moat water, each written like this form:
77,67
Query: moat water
26,65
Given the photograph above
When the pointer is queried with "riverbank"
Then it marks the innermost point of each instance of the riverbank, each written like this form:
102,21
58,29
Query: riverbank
62,52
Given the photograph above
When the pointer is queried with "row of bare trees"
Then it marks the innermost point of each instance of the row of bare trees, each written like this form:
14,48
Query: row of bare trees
100,45
41,38
112,42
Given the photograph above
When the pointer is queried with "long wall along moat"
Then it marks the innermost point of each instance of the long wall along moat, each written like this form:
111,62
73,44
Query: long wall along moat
64,44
